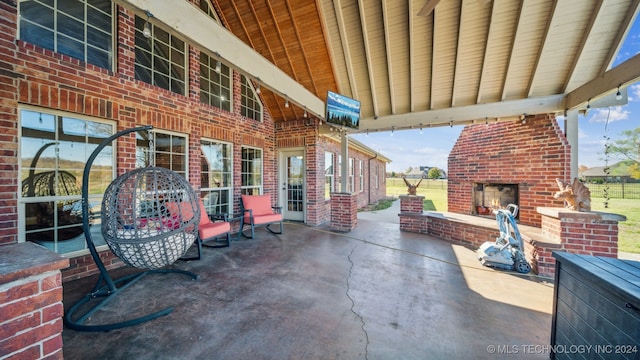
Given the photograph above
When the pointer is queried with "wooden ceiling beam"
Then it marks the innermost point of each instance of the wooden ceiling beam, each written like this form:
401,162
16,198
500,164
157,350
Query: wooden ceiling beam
387,43
545,39
515,36
457,66
483,71
625,27
344,40
622,75
412,57
367,52
199,29
301,44
428,7
585,37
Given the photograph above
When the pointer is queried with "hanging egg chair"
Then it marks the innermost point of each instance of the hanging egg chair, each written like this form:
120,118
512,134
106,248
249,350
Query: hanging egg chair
150,217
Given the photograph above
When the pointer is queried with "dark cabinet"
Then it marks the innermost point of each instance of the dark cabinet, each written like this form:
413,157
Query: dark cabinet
596,308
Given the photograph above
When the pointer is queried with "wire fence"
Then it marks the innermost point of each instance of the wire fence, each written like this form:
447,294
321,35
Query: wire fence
615,190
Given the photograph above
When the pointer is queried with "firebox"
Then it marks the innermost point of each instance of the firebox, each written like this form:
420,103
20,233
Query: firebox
488,196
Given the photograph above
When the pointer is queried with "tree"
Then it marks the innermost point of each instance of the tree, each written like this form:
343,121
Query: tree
408,170
434,173
628,146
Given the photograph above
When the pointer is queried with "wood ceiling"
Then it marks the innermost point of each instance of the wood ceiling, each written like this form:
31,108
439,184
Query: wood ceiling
412,62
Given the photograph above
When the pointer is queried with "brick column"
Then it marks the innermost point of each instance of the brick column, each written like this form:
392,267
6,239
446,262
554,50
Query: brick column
590,233
31,307
344,211
411,219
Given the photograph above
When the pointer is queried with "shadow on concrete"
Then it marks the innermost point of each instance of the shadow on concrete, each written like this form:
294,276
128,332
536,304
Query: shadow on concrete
372,293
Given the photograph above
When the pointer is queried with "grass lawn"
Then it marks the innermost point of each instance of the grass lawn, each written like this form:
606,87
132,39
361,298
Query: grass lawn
435,195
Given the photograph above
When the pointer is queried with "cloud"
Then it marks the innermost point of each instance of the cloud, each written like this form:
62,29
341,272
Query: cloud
634,92
611,114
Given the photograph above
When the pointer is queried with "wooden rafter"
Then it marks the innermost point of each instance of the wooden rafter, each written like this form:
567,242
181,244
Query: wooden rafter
545,40
302,47
585,37
483,72
515,36
624,30
412,55
367,52
387,43
456,66
337,6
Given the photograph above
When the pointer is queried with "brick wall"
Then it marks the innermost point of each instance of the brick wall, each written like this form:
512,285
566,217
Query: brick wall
344,211
31,308
532,155
41,78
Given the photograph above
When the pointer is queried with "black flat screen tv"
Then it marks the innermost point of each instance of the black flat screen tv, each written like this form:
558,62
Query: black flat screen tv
342,111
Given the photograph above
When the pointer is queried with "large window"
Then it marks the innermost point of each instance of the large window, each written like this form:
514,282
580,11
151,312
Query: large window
216,183
361,174
376,178
328,175
215,82
160,59
250,106
351,176
82,29
251,172
54,148
162,149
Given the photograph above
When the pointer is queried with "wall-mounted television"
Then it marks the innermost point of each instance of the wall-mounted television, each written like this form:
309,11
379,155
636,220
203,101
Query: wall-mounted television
342,111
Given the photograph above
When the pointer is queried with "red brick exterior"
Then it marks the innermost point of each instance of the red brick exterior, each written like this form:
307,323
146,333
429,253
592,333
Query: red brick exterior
31,308
532,155
32,76
344,211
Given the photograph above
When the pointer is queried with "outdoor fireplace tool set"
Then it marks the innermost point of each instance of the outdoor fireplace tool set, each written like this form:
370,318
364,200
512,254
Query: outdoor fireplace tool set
507,252
139,230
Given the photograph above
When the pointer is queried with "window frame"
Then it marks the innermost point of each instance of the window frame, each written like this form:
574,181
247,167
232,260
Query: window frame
89,31
95,197
226,72
153,70
142,156
223,205
361,175
352,175
247,110
329,175
244,188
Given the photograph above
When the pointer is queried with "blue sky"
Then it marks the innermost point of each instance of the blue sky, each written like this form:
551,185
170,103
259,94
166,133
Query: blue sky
409,148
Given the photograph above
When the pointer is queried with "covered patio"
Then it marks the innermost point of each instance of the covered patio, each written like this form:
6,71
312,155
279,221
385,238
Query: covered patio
372,293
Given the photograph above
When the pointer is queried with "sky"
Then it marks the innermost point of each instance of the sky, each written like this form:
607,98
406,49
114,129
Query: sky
410,148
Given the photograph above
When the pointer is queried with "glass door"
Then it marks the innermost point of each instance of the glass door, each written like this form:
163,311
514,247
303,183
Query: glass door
292,184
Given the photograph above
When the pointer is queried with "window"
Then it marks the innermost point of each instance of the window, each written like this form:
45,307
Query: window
160,59
54,148
361,174
215,82
328,175
167,150
210,11
82,29
250,106
351,176
251,172
216,182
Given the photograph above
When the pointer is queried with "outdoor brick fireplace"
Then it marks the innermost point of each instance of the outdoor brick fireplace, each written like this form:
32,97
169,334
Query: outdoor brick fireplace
508,162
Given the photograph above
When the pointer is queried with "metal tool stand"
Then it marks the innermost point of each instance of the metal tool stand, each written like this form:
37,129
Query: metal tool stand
106,288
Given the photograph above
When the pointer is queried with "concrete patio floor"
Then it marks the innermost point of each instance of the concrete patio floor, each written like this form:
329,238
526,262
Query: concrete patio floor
372,293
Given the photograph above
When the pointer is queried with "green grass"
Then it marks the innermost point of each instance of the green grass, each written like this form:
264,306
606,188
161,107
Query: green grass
435,194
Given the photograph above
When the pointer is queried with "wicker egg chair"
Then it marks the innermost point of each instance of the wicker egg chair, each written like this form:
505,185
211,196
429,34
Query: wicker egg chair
136,223
139,229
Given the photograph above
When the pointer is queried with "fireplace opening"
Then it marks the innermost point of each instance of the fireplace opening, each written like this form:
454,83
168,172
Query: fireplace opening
490,196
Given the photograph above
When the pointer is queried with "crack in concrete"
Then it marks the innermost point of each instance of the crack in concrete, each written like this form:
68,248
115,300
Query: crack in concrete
353,304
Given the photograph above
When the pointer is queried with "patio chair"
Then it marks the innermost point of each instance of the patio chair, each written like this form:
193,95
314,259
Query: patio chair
256,210
208,230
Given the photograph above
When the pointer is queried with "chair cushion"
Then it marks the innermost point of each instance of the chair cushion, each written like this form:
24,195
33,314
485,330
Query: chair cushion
259,204
266,219
213,229
204,217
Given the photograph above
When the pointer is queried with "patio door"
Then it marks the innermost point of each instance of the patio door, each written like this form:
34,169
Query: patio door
292,184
